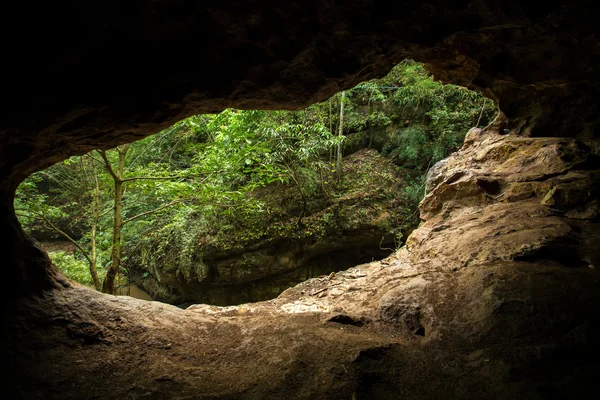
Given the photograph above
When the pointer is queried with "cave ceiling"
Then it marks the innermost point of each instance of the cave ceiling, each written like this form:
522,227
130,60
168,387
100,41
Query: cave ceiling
494,296
87,75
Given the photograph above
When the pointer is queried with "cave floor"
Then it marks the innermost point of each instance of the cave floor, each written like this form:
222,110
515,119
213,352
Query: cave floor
74,343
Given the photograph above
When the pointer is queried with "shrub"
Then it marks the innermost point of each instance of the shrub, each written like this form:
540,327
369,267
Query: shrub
74,268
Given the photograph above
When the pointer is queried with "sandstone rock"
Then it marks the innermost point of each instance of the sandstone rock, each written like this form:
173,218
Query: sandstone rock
491,289
503,288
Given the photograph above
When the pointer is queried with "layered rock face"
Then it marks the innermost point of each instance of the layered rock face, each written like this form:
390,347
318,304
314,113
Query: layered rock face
510,233
353,221
495,296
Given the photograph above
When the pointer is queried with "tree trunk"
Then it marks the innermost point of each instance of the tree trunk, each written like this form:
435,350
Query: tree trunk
118,221
96,218
115,259
331,131
338,166
115,256
370,121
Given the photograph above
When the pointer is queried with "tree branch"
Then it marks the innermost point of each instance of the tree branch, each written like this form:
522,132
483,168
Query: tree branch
49,224
152,178
151,211
108,165
481,113
165,178
95,159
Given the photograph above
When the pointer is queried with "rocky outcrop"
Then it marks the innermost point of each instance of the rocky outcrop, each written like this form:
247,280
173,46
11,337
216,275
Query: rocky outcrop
352,221
494,296
510,228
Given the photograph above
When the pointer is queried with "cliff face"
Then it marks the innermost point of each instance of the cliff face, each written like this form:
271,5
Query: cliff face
345,223
496,295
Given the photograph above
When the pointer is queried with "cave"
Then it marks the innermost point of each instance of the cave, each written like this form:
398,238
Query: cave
495,295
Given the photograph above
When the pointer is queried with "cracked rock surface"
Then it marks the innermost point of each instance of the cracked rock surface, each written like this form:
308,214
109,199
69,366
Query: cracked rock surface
490,289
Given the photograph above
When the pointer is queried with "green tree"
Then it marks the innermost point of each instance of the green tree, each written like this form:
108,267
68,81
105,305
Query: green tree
196,179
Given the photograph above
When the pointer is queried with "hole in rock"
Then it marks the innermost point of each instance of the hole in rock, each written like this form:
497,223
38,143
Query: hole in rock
239,206
561,254
420,331
491,187
347,320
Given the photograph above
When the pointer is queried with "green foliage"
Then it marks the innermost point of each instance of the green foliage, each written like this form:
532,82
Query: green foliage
245,150
30,203
73,267
411,195
434,117
196,184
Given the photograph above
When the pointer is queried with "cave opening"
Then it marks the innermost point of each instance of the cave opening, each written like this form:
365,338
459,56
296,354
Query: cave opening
483,301
239,206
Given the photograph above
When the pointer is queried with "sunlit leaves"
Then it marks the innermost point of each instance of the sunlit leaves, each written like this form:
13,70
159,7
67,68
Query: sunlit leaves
208,167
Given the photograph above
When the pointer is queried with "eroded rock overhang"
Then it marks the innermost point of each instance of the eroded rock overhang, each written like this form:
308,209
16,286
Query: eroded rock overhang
498,287
94,75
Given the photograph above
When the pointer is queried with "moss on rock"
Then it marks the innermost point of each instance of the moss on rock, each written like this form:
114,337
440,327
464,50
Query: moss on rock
259,253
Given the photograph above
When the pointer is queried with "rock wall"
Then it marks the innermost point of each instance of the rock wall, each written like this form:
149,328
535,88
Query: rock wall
495,296
97,75
257,256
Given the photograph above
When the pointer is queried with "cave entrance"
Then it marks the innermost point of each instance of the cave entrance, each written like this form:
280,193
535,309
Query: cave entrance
238,206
